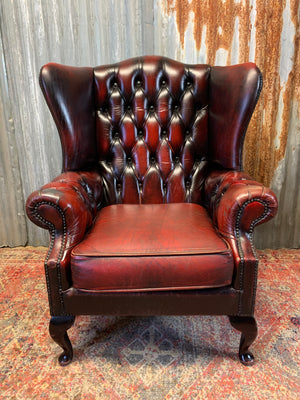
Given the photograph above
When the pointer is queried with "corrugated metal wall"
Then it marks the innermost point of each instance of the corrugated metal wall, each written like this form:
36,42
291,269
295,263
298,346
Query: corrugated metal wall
93,32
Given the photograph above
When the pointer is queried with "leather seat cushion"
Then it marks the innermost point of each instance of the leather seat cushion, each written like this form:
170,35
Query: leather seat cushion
152,247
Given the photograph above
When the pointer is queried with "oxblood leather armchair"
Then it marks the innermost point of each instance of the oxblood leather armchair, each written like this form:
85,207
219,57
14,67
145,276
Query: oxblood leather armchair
152,214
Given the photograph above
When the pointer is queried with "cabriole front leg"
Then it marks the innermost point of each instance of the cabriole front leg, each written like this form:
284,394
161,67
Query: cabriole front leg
58,330
248,327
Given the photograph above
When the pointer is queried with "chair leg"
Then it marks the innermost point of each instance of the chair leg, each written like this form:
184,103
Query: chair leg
248,327
58,330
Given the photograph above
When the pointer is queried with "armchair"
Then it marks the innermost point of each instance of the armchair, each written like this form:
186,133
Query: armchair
152,213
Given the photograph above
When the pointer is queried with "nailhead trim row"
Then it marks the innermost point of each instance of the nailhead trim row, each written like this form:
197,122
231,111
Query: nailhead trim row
252,226
52,240
240,250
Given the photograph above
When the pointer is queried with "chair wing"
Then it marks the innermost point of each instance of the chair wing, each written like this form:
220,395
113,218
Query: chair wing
234,92
69,94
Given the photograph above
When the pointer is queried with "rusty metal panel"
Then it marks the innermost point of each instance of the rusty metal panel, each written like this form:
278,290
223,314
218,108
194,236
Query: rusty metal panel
223,32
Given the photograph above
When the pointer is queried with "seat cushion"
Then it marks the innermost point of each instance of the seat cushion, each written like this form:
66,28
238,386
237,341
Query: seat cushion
152,247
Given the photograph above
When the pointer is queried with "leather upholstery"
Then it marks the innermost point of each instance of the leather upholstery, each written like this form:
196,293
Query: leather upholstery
229,115
66,207
230,192
152,213
147,131
151,247
69,95
151,129
143,123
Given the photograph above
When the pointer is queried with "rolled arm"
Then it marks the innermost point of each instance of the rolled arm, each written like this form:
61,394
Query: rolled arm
66,207
238,203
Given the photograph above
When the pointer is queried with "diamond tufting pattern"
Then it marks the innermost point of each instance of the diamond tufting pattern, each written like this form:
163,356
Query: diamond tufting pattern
152,130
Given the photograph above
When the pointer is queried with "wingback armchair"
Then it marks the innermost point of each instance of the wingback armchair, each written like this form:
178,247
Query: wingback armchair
152,213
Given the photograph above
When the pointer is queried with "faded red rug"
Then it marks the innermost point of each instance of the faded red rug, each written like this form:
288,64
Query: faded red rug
148,358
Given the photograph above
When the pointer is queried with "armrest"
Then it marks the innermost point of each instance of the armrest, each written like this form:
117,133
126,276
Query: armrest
66,207
238,203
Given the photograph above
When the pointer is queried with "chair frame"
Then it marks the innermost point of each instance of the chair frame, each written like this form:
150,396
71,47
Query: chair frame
256,204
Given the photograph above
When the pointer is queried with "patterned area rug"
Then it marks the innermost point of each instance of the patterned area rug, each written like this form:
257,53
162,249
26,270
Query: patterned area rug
148,358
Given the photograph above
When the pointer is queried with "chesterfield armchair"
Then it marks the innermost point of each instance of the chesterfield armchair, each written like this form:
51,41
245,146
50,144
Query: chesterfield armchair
152,213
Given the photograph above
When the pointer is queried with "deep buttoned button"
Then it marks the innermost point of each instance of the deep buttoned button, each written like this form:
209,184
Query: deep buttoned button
163,83
115,85
151,108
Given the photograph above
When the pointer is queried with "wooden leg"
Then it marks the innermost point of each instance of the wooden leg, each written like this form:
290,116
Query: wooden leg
248,327
58,330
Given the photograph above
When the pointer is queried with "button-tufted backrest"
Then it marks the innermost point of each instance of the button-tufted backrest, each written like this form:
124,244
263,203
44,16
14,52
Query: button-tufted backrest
151,125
